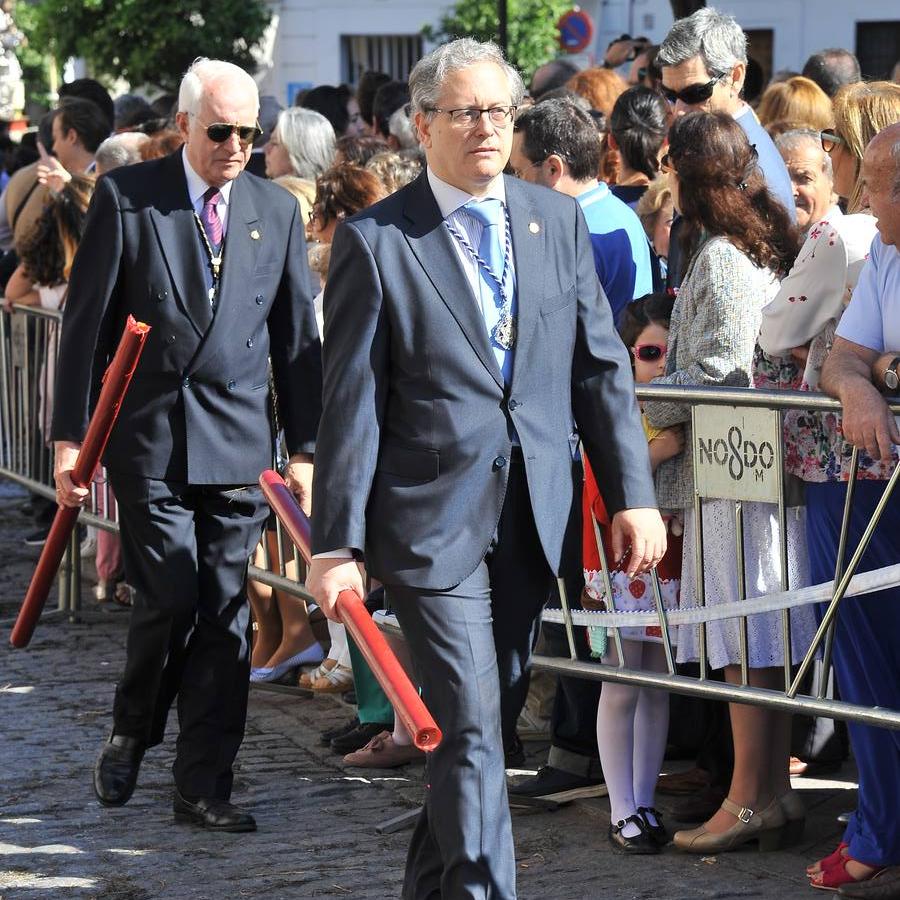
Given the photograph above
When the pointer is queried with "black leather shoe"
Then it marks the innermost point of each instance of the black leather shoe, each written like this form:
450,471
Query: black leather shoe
358,737
116,771
641,843
328,736
700,807
212,813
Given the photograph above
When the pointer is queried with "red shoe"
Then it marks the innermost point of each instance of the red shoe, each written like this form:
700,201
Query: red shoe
831,879
829,861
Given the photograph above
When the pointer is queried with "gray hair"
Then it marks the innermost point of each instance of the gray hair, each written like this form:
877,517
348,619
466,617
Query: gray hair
309,140
401,128
429,73
713,36
205,71
119,150
793,140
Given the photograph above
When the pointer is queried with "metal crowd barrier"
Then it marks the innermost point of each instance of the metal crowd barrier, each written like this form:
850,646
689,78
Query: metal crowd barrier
737,448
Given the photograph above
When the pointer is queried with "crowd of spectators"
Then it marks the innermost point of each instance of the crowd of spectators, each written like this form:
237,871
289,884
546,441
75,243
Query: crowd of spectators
729,238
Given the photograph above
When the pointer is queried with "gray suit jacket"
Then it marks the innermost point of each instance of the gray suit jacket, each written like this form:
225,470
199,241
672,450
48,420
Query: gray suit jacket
413,448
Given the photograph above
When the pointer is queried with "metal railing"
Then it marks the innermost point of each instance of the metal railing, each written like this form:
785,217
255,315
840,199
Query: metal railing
28,340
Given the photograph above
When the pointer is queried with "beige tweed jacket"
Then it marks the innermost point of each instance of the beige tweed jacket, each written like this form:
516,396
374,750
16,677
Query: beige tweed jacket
712,336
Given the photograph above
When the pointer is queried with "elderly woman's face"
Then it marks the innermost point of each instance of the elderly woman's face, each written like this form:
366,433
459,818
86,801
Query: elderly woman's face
813,193
278,162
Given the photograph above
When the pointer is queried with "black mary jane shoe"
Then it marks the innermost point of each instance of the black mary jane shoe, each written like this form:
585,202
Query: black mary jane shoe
641,844
657,832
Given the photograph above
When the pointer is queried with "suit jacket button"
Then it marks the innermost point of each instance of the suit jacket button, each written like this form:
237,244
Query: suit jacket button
499,462
513,404
231,385
249,342
161,295
186,382
170,339
259,299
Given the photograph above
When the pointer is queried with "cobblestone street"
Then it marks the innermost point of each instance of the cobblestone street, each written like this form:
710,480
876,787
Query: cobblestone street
316,820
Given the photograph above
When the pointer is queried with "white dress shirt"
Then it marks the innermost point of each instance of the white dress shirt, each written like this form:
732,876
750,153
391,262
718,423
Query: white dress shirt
197,187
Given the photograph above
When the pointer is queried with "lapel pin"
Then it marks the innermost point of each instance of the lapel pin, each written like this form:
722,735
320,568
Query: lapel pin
254,235
533,227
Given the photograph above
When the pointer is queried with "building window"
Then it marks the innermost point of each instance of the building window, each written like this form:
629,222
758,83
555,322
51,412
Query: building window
877,48
393,54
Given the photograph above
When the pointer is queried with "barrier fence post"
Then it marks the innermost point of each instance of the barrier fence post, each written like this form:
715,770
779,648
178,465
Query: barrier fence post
841,589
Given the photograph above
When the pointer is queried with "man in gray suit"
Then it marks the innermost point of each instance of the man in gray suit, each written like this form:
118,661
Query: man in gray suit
467,345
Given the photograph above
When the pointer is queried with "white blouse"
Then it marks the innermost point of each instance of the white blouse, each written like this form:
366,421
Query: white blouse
814,294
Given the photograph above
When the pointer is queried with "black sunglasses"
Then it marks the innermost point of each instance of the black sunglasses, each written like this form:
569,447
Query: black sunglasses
219,132
693,93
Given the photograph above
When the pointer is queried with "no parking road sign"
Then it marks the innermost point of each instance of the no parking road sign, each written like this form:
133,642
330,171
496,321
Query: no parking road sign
576,30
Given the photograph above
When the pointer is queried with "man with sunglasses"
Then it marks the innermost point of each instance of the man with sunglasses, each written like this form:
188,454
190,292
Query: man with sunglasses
466,339
704,63
214,260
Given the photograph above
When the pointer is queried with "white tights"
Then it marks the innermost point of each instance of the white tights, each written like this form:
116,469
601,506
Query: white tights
632,726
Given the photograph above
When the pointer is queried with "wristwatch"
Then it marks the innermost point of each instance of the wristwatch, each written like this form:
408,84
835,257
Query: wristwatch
890,377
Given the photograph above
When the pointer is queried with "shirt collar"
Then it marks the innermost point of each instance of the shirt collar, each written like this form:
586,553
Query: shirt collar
592,195
450,199
197,187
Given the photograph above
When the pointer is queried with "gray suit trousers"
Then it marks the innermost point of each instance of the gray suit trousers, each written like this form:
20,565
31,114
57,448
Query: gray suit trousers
471,647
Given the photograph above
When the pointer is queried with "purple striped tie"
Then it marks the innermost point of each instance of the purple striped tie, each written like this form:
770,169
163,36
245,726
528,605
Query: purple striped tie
212,224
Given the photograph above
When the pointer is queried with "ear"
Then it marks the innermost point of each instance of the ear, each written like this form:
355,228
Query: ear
423,127
738,74
182,122
554,168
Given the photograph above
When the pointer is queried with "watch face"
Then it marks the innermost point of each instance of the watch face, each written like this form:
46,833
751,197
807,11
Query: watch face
891,380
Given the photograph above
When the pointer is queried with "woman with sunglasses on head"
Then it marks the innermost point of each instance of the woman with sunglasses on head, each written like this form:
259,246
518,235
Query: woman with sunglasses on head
632,722
797,334
745,244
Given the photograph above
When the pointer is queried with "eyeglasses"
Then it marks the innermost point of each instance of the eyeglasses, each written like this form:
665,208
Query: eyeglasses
649,352
693,93
520,173
318,215
470,116
830,140
219,132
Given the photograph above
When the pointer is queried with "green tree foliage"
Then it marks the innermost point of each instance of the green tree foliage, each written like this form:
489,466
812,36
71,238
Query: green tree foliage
532,35
34,63
149,41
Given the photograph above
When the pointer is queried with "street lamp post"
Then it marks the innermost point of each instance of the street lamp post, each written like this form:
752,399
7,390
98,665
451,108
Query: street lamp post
501,25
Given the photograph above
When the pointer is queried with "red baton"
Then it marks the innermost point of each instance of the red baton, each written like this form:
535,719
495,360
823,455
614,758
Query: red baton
387,670
115,383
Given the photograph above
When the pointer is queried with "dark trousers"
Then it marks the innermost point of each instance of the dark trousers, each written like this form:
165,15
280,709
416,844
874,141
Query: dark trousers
186,550
471,647
866,657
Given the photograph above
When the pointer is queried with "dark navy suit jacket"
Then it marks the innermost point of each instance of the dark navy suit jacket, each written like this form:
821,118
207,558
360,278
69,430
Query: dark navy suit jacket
413,449
197,410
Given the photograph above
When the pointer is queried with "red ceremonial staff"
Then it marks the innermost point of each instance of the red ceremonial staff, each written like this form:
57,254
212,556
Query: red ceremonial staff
387,670
115,382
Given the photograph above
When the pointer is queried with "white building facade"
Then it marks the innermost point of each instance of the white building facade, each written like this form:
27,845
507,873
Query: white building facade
313,42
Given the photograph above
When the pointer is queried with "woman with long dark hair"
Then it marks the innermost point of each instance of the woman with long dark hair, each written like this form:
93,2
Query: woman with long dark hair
637,129
744,243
